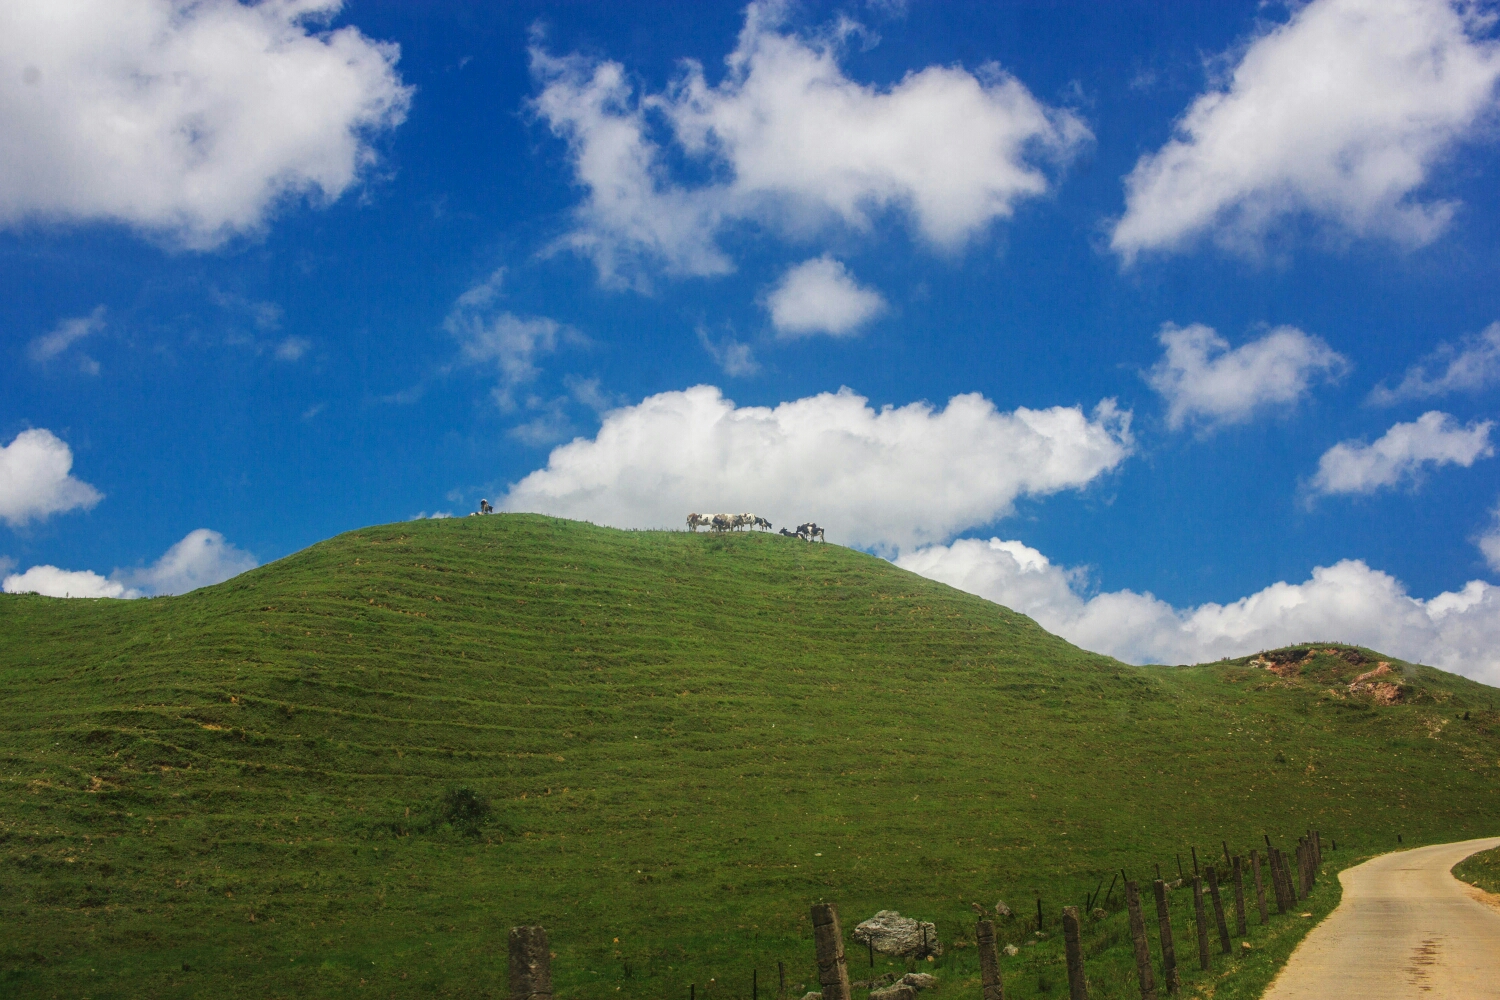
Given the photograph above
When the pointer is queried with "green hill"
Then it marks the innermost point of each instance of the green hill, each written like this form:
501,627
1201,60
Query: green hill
276,786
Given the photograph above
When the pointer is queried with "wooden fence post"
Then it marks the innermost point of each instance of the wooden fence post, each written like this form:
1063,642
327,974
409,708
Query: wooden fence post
1260,888
1276,887
833,967
1202,919
530,964
990,986
1164,929
781,979
1138,936
1240,927
1078,988
1213,891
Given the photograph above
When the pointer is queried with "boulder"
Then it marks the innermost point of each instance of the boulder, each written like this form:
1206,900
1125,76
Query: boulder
889,933
813,996
1100,913
874,984
920,980
1001,910
900,991
1011,950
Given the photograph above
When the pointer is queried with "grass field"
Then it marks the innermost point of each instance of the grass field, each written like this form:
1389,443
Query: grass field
258,789
1482,869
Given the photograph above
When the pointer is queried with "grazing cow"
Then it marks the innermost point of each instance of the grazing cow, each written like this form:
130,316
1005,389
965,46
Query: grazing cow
694,520
761,522
788,532
484,506
811,530
722,522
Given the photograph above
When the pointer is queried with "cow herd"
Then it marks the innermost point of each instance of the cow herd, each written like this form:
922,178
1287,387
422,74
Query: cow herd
734,522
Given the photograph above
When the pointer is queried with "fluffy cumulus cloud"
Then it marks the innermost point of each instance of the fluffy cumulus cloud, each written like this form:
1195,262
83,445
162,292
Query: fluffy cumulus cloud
1346,602
49,581
821,296
1402,453
792,143
190,118
1339,114
1472,365
886,479
1202,379
201,559
36,479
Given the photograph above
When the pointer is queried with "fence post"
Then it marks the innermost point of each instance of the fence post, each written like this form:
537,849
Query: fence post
1260,888
530,964
1240,927
1138,936
990,986
1164,927
1213,891
833,967
1202,919
781,979
1278,880
1077,987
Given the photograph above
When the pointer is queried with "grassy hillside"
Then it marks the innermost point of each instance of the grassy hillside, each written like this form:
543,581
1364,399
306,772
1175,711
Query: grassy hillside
1482,870
269,787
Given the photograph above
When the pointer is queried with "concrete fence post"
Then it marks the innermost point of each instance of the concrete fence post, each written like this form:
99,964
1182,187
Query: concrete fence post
1164,929
990,986
530,964
1078,988
1138,937
833,966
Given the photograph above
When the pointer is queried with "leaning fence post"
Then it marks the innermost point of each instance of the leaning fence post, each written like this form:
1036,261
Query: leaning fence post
1260,889
990,986
833,967
1202,919
1077,988
1240,927
1164,927
1138,936
530,964
1213,891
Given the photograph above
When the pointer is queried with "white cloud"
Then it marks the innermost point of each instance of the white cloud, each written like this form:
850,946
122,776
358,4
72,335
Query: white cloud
35,480
1402,452
49,581
1201,378
292,348
792,143
1489,542
188,119
1347,602
821,296
201,559
1340,113
884,478
509,342
735,357
1472,367
66,334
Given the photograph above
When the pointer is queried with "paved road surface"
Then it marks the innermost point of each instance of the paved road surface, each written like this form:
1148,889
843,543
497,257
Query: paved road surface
1405,928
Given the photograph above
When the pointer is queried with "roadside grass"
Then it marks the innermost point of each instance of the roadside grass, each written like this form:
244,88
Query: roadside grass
1482,870
683,740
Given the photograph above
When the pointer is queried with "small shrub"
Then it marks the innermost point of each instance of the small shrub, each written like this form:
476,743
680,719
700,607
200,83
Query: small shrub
465,810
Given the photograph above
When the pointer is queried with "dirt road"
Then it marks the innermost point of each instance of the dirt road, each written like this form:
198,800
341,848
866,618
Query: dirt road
1404,928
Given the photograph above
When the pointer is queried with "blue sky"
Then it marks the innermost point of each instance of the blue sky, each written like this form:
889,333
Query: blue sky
1214,286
